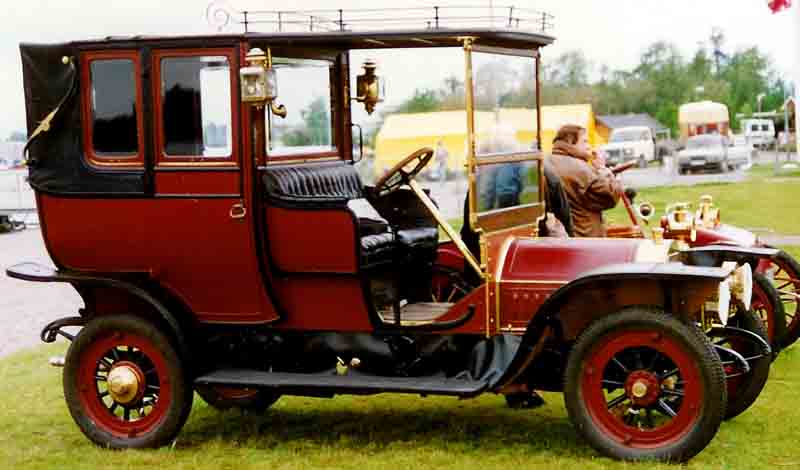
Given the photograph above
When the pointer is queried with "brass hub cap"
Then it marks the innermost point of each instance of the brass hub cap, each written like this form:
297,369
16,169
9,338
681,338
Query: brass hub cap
643,388
125,383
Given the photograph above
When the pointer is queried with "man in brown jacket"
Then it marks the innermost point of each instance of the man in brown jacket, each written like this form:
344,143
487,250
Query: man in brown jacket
591,187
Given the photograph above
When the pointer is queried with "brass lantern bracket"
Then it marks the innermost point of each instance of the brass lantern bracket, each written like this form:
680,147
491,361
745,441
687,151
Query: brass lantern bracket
277,109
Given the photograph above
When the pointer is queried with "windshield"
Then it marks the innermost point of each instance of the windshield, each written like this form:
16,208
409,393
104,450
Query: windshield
629,136
704,141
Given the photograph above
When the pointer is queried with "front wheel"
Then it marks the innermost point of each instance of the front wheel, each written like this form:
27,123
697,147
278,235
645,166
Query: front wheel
640,384
125,384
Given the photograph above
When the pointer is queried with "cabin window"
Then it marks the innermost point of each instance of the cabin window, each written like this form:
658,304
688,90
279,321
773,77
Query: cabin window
304,88
114,112
196,106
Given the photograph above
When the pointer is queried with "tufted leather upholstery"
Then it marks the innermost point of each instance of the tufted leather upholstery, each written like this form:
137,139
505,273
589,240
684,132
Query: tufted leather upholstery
336,184
310,183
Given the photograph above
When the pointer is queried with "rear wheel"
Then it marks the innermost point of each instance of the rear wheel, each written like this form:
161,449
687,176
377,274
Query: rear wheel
124,383
223,398
641,384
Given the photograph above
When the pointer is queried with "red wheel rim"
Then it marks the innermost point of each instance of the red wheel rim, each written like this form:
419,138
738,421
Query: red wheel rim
658,418
762,306
150,407
787,282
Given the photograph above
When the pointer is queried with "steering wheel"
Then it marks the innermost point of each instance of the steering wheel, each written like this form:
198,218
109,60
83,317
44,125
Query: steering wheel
404,171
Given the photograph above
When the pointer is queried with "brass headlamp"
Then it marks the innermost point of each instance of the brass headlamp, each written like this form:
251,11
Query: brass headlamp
369,87
260,82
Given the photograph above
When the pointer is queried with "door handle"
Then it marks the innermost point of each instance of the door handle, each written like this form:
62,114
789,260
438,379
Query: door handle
238,211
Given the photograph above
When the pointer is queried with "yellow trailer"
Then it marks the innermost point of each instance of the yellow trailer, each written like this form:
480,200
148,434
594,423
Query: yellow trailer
402,134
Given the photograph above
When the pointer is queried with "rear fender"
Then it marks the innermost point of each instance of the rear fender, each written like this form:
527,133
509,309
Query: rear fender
677,289
715,255
90,284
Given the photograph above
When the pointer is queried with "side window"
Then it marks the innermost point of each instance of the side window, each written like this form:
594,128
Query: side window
113,121
304,88
196,107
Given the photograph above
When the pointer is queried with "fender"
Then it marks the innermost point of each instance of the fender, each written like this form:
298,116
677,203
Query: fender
37,273
669,275
715,255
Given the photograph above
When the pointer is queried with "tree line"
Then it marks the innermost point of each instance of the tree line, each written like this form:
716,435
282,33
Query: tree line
659,84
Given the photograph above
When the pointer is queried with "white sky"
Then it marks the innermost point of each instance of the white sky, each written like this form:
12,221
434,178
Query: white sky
613,32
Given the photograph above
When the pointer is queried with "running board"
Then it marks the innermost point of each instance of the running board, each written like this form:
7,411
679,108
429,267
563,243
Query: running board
355,383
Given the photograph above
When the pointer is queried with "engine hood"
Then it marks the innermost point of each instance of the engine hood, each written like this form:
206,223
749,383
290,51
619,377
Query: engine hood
560,260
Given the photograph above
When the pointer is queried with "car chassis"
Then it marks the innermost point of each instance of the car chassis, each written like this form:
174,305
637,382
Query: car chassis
250,276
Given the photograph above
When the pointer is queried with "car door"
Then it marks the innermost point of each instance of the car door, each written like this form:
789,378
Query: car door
198,179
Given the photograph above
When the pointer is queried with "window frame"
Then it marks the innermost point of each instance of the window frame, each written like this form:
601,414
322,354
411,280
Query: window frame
161,157
124,161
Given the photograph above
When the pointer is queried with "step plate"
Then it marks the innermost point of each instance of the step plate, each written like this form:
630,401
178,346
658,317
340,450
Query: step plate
351,383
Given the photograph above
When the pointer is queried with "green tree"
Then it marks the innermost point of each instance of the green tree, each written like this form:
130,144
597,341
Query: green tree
423,100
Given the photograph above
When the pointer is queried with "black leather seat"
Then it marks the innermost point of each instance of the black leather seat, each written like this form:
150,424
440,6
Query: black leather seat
422,241
334,186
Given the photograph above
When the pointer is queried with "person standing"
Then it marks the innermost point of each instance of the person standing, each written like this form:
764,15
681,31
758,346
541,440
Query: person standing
591,188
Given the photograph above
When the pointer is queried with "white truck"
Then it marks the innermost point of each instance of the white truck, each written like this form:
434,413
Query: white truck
631,143
759,132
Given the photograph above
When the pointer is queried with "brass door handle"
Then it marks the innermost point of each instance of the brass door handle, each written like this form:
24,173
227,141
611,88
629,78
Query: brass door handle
238,211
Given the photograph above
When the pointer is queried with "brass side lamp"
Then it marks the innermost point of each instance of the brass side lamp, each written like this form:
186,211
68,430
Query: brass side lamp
369,87
260,82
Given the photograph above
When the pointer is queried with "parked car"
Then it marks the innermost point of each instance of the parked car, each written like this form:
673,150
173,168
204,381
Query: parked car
631,143
759,132
713,152
266,267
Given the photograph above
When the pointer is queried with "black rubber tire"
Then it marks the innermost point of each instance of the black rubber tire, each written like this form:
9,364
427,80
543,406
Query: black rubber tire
697,344
792,331
181,400
764,287
747,394
259,401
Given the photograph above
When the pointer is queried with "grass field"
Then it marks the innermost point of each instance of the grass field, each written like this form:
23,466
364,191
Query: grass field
384,431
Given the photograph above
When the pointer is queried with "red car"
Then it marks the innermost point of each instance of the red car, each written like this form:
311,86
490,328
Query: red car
223,246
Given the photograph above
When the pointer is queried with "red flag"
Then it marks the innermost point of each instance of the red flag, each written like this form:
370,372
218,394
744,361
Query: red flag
778,5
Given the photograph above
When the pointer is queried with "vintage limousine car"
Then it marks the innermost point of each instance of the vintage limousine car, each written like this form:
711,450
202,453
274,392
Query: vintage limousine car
215,254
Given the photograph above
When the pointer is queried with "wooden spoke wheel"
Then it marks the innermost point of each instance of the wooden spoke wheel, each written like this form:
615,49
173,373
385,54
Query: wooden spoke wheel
448,285
743,387
767,305
785,275
250,399
643,385
124,383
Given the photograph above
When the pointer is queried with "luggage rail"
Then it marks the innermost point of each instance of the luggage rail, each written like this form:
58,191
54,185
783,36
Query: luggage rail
220,15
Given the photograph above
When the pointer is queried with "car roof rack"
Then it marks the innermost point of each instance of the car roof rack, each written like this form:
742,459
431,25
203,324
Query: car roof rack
221,16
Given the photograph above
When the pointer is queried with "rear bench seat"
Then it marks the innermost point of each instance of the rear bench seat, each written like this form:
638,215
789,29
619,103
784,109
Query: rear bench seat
334,186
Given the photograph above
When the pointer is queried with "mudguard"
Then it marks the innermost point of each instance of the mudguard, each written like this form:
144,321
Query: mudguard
548,314
715,255
38,273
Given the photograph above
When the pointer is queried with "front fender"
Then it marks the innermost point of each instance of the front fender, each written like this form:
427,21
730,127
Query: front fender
677,288
715,255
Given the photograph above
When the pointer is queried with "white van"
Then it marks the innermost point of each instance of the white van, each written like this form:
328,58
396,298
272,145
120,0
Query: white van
759,132
630,143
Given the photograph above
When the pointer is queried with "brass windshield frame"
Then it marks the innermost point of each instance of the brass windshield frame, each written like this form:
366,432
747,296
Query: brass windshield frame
499,219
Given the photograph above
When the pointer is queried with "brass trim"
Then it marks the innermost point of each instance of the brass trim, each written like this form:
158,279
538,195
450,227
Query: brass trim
297,160
448,229
498,276
469,99
495,158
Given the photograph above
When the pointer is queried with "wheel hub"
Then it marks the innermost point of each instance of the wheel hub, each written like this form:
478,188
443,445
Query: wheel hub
125,383
642,387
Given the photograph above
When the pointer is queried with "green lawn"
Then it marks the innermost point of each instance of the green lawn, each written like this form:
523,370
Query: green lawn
384,431
762,202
